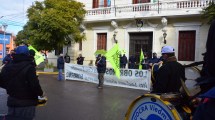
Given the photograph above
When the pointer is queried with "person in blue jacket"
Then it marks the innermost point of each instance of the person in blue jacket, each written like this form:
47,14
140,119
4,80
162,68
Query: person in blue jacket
60,67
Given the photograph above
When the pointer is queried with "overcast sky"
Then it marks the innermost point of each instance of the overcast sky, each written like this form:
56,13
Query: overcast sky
13,14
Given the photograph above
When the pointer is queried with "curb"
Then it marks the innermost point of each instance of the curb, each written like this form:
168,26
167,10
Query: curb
53,73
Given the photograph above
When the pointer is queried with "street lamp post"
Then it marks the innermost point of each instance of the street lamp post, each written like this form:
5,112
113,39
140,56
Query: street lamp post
164,37
4,45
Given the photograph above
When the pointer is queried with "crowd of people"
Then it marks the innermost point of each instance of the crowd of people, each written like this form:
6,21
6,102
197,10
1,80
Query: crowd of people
19,78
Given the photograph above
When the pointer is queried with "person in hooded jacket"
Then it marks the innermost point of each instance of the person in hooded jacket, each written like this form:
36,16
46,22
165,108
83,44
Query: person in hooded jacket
22,86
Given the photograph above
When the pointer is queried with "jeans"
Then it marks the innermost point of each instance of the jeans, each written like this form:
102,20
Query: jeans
21,113
60,74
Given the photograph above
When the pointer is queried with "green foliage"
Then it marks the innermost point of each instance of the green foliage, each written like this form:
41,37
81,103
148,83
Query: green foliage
49,65
53,24
209,12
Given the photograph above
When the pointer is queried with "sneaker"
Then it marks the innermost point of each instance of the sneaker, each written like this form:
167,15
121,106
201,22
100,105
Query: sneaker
99,87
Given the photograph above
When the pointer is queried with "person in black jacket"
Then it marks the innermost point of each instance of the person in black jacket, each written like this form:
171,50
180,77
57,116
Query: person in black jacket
168,78
123,61
22,86
205,111
132,62
101,68
80,60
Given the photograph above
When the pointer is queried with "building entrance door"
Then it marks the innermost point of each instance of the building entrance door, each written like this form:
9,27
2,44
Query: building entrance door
140,41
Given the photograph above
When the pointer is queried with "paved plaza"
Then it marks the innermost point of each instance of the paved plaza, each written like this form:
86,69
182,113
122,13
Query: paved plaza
73,100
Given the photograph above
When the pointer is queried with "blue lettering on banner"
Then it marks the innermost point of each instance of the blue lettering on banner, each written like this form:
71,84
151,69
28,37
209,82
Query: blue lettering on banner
74,75
126,73
111,81
110,72
127,83
141,73
91,79
90,70
143,85
150,111
79,68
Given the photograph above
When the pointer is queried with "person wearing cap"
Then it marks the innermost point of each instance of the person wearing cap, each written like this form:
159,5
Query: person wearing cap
168,78
22,86
60,67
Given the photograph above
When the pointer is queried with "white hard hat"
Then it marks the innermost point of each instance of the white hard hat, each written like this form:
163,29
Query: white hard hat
167,49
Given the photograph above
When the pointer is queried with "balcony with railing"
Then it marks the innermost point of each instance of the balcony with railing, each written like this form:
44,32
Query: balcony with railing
147,10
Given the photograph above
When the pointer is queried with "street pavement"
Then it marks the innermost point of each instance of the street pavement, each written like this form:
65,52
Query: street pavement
75,100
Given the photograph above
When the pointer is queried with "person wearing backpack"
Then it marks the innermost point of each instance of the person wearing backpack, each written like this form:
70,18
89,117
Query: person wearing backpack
22,86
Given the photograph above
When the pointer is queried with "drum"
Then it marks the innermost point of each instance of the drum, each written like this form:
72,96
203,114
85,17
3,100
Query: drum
154,107
155,68
189,87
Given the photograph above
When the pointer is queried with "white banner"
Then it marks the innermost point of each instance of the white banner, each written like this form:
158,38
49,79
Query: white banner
129,78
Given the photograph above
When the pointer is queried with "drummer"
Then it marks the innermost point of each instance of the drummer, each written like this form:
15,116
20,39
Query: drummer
205,110
169,75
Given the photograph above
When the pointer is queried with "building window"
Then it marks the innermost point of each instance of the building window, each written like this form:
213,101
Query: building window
101,3
80,45
186,45
141,1
58,51
101,41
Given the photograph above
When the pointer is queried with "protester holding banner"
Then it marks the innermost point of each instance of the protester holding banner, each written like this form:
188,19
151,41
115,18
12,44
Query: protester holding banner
60,67
168,78
80,60
132,62
67,58
101,68
123,61
153,60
